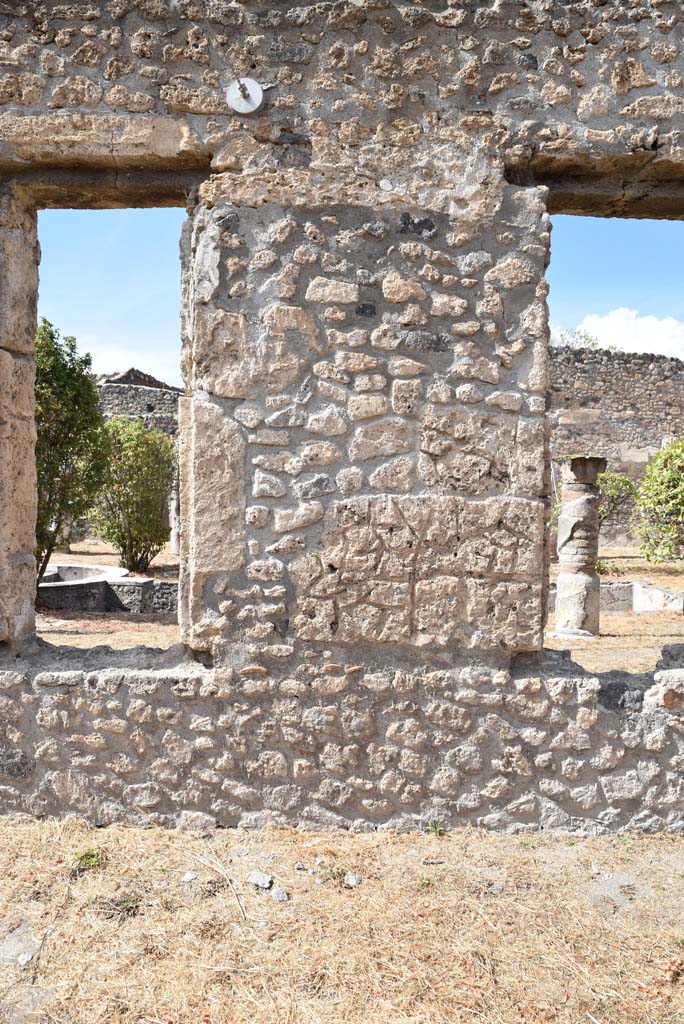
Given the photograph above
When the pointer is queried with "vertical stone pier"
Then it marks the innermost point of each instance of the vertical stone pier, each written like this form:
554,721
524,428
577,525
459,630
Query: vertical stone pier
578,594
19,256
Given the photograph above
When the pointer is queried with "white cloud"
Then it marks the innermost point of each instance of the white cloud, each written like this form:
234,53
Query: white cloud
626,330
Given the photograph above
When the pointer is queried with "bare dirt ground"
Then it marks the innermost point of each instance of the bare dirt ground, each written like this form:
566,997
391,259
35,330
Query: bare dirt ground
628,566
130,926
628,642
110,629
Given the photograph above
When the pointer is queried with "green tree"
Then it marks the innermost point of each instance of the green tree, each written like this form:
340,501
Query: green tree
617,495
70,450
660,505
132,510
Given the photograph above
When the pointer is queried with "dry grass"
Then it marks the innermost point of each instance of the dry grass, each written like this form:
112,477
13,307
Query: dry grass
112,629
469,927
629,642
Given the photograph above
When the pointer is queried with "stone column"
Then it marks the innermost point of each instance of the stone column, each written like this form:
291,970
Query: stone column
18,294
578,596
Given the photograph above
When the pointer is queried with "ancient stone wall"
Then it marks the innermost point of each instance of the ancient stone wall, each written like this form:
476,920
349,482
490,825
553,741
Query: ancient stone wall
394,468
156,407
363,443
621,405
149,739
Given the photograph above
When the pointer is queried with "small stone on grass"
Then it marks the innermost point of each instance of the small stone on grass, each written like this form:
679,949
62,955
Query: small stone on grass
260,879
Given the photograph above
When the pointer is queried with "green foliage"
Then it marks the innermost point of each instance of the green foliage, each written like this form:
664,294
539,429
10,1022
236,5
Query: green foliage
71,454
436,828
574,339
604,568
660,505
336,873
132,510
88,860
618,493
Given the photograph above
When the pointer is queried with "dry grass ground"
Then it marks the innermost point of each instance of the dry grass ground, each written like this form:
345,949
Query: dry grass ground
628,642
625,564
469,927
119,630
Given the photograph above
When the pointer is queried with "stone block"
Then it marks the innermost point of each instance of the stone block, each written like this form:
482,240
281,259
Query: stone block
212,478
477,451
19,256
425,571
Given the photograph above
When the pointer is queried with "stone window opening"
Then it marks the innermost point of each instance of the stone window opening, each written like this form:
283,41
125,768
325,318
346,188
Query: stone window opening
615,409
78,587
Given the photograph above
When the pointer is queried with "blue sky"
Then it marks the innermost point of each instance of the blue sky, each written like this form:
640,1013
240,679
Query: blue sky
112,278
621,280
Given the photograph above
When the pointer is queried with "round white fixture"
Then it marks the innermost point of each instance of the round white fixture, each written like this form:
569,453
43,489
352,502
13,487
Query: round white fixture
245,96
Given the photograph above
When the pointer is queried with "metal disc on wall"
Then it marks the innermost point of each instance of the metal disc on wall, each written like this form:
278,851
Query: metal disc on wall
245,96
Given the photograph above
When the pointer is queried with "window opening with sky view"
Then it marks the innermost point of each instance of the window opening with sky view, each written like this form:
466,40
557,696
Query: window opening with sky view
616,311
112,280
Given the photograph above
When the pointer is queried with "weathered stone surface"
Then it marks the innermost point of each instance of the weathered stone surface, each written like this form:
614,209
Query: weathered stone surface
471,744
374,241
143,141
18,288
322,289
379,439
212,457
478,452
396,288
398,570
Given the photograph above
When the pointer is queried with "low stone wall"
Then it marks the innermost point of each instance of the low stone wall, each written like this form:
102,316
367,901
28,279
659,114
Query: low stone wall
153,737
140,596
144,596
631,597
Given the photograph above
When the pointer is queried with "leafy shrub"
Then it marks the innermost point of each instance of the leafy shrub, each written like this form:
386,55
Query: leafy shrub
660,505
617,495
604,568
132,510
71,458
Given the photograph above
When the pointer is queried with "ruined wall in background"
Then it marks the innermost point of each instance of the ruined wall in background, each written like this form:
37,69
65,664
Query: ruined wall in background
621,405
156,407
